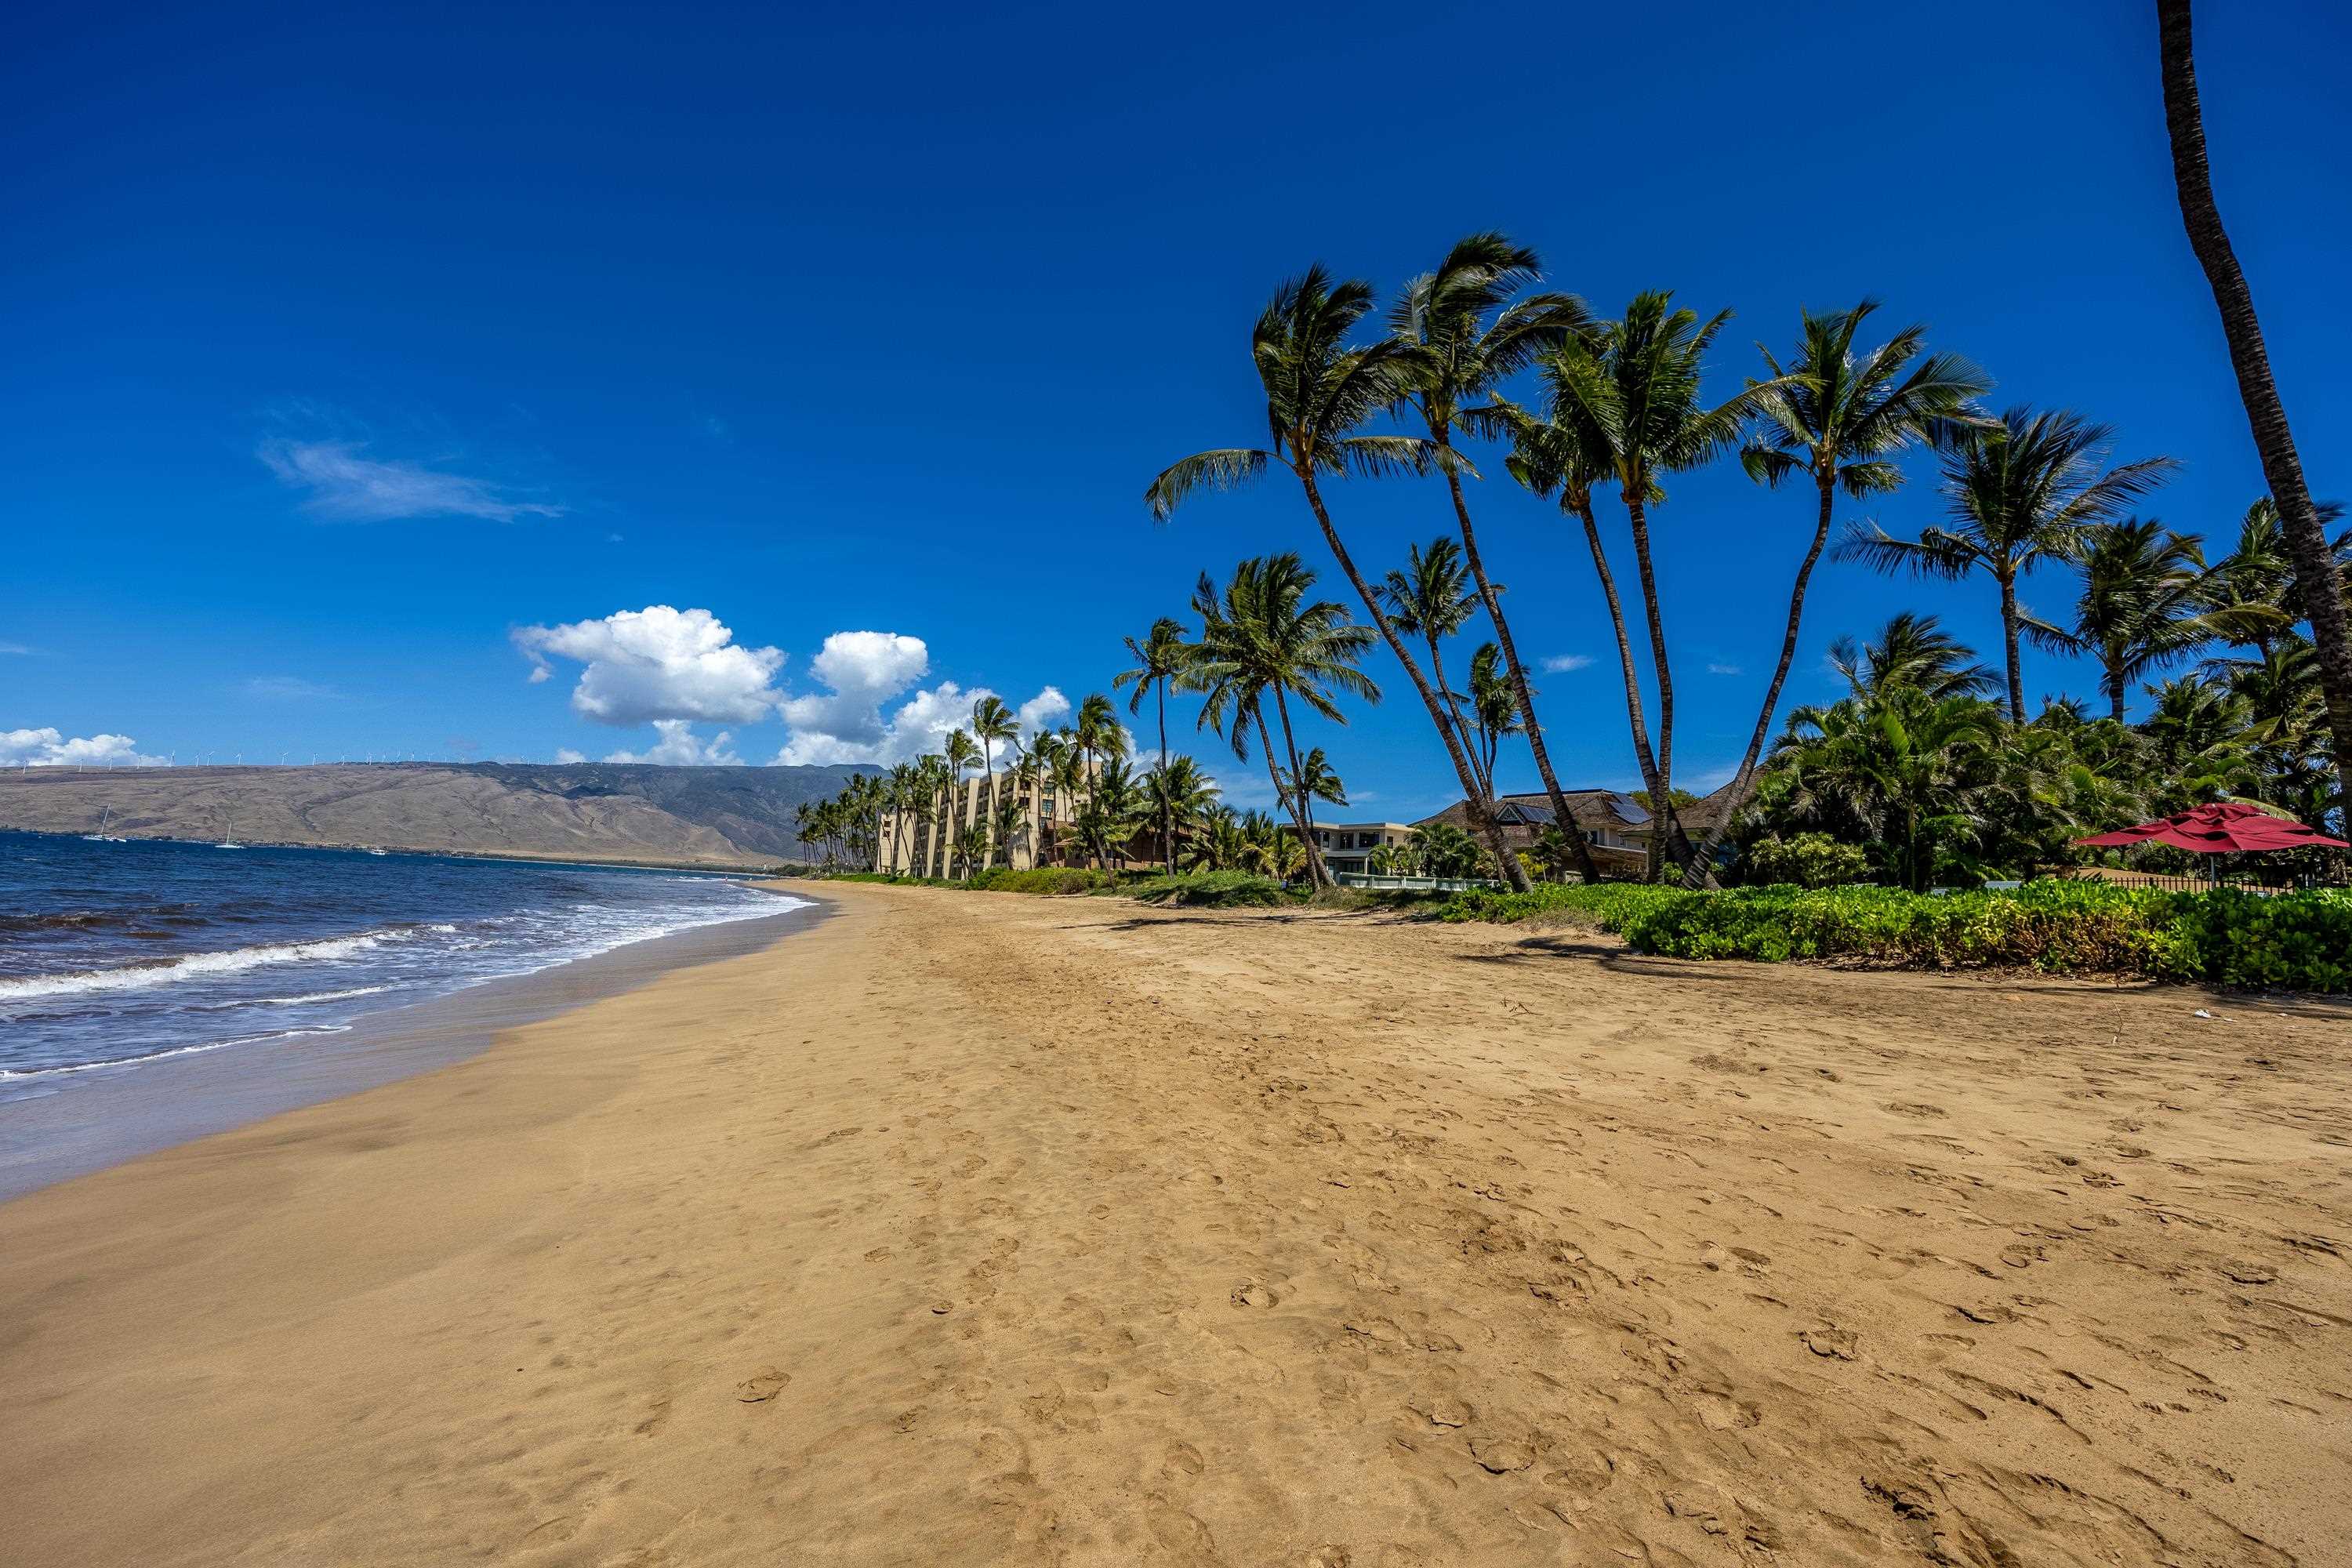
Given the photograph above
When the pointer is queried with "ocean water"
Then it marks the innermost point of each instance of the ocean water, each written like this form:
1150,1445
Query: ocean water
113,955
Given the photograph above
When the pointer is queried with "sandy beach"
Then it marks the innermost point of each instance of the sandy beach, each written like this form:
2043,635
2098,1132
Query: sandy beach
983,1229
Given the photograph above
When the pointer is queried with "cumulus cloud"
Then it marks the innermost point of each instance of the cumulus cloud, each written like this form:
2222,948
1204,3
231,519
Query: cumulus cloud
1561,663
647,665
48,747
344,483
679,747
566,754
855,722
1044,710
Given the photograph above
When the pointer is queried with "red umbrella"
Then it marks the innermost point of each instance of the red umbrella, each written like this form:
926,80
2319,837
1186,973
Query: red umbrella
2225,829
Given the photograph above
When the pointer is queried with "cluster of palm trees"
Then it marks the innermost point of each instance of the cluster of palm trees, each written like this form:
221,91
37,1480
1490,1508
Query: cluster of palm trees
1475,355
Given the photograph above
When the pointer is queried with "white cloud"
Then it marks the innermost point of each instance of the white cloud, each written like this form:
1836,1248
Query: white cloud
1042,710
658,663
287,688
1561,663
9,647
679,747
48,747
350,487
566,754
866,670
1723,669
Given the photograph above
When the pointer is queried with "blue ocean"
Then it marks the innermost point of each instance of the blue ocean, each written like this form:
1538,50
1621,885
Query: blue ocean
115,953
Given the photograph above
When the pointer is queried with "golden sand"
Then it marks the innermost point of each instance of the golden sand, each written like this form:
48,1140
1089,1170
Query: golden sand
997,1230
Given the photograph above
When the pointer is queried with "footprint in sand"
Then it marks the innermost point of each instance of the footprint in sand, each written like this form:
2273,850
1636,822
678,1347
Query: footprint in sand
762,1385
1836,1345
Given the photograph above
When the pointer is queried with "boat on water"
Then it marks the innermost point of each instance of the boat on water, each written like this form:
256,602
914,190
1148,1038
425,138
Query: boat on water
105,818
228,833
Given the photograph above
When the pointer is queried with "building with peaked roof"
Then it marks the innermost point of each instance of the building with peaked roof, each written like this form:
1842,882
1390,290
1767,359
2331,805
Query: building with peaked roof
1617,826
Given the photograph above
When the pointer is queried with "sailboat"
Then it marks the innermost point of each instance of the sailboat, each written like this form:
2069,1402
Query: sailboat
102,836
229,832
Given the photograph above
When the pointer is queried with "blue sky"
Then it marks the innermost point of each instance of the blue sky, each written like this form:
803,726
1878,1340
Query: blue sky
347,348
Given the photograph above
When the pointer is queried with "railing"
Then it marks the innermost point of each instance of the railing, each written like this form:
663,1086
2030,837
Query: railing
1412,884
2268,886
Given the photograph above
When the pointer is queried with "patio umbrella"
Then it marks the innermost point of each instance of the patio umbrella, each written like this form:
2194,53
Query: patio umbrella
2229,828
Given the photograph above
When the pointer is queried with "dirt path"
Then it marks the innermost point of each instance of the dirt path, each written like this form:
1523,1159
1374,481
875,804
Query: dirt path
983,1230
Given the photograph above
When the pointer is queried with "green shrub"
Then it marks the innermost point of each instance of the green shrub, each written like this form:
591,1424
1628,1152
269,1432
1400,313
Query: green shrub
2299,942
1217,889
1808,860
1050,879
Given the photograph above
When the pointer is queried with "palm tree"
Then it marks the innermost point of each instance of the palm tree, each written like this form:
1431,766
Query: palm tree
1841,419
2019,492
1115,804
992,722
1494,713
2306,537
1628,389
2253,593
901,792
1911,650
1900,764
1181,797
1432,599
804,821
1319,392
1159,657
1261,636
2139,608
1312,781
1469,335
960,753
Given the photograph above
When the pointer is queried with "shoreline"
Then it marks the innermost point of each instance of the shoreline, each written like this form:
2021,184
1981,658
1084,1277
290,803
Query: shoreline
734,868
1007,1230
118,1113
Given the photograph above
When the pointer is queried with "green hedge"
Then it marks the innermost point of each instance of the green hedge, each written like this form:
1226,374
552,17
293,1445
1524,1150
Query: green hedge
2301,943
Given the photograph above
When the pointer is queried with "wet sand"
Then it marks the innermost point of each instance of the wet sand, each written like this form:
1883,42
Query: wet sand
967,1229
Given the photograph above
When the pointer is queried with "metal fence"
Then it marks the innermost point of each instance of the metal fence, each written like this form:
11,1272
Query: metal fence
1412,884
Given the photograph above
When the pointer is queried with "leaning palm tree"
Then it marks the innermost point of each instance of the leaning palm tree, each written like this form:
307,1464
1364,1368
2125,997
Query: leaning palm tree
1431,598
1261,638
2306,535
1159,655
2139,608
1319,394
1630,388
1314,780
1469,333
992,722
1838,418
2019,492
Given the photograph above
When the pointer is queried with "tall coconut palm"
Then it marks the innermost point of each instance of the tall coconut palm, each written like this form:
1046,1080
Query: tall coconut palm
1159,655
1838,418
2306,536
1261,638
1319,394
959,754
1561,456
1433,598
2140,606
1471,328
901,792
1629,392
1098,733
991,724
2019,492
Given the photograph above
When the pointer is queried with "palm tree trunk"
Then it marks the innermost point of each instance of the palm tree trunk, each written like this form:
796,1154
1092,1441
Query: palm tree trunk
1514,874
1483,775
1166,807
1643,757
2008,647
1317,876
1661,803
2306,540
1306,801
2115,684
1744,779
1521,691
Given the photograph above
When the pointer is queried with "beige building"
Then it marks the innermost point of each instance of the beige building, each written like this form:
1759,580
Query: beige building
1046,834
1349,845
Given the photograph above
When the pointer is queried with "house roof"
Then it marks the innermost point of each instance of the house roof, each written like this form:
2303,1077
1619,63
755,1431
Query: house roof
1592,809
